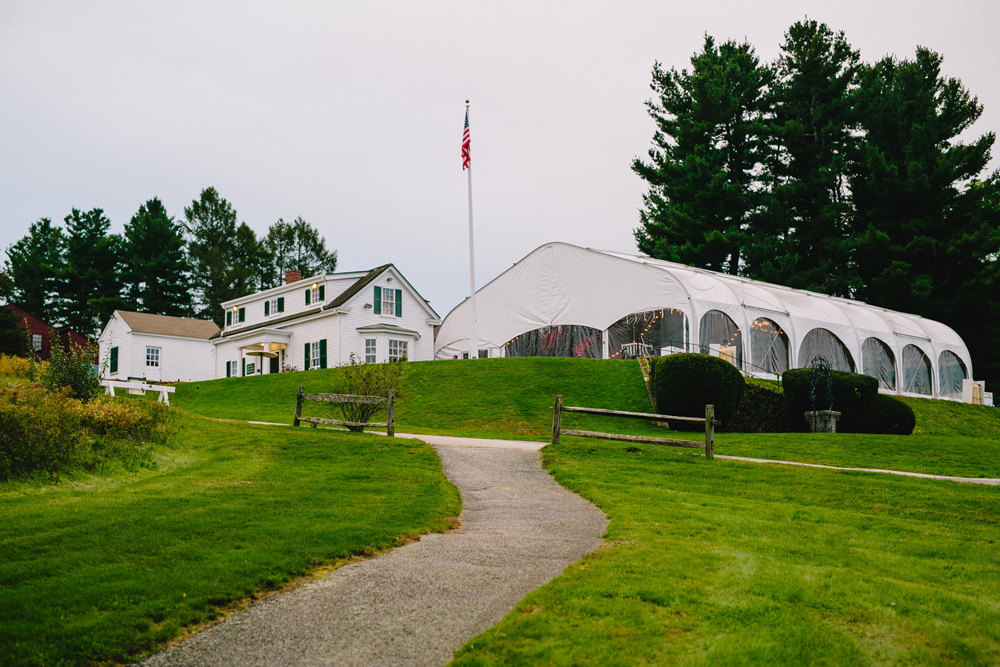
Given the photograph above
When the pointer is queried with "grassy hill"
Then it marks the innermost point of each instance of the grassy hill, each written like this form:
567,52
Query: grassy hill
512,398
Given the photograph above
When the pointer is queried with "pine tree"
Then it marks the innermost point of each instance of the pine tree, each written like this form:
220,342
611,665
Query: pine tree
33,265
701,169
211,226
89,283
155,264
297,246
250,271
927,236
813,144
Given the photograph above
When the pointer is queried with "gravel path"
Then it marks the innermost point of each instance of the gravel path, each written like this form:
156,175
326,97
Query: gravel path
417,604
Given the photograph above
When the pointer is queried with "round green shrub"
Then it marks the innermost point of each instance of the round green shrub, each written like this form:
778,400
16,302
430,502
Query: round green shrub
683,384
888,415
851,392
762,410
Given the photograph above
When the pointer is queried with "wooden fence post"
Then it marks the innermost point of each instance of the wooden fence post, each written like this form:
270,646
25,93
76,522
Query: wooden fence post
298,407
557,420
390,415
709,432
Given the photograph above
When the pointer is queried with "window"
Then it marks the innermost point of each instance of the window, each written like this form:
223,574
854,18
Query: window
314,355
153,357
232,369
370,350
274,306
317,292
388,301
36,341
397,350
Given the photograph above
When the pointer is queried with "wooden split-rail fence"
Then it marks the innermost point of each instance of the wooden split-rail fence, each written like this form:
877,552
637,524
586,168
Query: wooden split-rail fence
390,407
709,420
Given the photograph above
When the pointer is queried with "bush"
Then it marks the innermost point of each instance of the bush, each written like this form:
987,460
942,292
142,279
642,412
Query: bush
50,432
17,367
851,394
683,384
761,410
888,415
361,379
72,366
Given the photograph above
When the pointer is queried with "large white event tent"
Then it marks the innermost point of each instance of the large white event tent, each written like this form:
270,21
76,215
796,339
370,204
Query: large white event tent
563,300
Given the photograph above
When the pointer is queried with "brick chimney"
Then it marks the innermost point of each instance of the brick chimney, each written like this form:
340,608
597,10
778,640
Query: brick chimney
292,277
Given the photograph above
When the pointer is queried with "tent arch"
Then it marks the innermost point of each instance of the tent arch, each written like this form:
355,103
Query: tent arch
823,342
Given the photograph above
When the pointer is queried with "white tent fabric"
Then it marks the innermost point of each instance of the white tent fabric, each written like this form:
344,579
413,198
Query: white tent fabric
560,288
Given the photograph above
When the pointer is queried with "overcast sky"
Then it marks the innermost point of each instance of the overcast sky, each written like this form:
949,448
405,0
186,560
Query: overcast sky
350,114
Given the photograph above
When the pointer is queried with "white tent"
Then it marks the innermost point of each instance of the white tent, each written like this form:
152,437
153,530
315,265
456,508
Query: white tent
562,300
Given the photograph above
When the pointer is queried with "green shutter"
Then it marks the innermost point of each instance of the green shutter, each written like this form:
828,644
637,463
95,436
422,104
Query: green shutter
322,353
281,304
229,318
267,308
243,314
322,292
378,300
399,303
229,369
307,357
308,296
244,373
114,359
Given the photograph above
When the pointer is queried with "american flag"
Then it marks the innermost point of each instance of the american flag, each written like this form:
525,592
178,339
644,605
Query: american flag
466,145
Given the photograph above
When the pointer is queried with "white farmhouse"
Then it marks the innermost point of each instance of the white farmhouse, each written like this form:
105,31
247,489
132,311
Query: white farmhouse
319,322
157,348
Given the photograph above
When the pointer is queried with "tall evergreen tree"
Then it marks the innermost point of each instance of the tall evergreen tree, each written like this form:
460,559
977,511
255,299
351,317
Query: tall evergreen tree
813,140
251,269
89,284
155,264
211,226
707,147
927,237
297,246
33,266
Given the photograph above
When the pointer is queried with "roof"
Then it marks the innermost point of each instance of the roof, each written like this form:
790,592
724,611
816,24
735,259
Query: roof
166,325
343,297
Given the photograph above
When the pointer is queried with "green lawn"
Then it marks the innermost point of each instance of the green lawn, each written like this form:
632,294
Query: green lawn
101,569
727,563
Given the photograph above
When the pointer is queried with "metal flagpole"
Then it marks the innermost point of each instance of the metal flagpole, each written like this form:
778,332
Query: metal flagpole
467,164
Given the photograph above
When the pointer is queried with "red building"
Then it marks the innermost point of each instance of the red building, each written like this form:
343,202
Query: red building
41,333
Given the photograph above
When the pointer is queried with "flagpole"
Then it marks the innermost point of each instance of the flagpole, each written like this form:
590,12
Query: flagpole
473,337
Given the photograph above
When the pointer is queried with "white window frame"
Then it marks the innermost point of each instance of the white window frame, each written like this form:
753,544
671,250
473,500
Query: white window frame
398,349
371,350
152,357
314,294
36,341
272,307
388,301
314,355
234,368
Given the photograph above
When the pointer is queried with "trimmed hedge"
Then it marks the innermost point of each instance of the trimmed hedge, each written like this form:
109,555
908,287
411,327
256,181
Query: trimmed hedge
762,410
855,396
683,384
887,415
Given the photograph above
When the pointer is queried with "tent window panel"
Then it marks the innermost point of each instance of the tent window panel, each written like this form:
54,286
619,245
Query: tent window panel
768,347
719,335
824,343
570,340
951,373
916,371
878,361
647,333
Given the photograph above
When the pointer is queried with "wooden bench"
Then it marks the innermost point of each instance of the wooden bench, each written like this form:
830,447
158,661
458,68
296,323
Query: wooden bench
709,421
165,391
390,407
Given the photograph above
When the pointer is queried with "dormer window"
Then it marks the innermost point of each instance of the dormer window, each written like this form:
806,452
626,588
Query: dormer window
274,306
235,316
315,293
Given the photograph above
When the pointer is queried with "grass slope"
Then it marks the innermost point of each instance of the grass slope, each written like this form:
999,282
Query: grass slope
512,398
104,568
727,563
